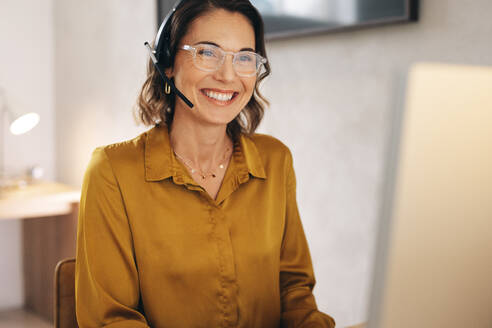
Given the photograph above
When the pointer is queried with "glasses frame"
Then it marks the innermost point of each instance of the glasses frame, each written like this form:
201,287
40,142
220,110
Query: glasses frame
260,59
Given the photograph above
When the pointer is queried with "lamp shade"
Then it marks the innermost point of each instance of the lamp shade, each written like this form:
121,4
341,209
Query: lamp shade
24,123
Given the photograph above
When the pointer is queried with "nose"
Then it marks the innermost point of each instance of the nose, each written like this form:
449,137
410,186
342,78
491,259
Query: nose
226,71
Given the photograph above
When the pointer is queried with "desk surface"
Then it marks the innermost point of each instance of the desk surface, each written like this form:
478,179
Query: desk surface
38,200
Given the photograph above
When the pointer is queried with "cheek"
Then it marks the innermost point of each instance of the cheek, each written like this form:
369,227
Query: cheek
248,94
249,86
185,74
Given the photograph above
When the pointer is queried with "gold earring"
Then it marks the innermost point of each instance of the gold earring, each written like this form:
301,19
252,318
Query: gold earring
167,89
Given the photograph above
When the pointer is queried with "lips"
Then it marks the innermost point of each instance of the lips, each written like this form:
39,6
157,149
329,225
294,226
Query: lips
222,97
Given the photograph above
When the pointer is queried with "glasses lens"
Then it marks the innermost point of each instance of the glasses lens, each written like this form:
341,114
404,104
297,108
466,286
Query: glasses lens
246,63
207,57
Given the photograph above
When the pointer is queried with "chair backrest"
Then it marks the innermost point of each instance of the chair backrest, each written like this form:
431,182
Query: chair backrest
65,294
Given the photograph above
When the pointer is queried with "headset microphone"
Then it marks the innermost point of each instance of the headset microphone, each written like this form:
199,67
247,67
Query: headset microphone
160,69
161,54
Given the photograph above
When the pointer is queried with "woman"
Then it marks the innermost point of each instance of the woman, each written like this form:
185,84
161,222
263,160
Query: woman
194,223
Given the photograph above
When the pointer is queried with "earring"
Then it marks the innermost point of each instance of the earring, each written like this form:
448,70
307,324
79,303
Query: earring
167,89
168,109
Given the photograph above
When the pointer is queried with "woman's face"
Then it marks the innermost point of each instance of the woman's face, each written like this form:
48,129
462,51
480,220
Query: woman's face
207,90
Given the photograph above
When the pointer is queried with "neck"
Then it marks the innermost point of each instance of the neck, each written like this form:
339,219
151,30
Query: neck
203,145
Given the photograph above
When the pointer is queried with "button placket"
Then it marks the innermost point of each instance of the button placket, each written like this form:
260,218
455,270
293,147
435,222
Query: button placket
227,274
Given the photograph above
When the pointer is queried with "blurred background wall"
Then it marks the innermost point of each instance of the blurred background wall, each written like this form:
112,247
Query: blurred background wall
100,65
332,97
27,78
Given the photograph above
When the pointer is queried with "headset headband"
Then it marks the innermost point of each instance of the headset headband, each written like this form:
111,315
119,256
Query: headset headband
162,40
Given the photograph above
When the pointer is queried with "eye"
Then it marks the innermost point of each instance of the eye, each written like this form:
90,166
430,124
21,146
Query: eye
204,52
245,57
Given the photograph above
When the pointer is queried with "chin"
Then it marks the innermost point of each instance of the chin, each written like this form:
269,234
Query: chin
218,115
219,119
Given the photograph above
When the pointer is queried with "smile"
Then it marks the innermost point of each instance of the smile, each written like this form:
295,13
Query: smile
220,97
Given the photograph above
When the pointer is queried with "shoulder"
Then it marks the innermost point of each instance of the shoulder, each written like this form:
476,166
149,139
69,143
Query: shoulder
270,146
273,154
128,149
124,153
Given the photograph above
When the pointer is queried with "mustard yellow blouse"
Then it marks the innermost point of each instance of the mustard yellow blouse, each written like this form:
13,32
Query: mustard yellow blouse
155,250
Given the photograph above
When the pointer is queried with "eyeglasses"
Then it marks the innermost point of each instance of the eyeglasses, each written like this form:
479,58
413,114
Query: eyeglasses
210,58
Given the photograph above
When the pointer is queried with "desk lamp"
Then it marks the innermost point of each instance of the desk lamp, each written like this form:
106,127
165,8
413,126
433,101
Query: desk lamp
18,124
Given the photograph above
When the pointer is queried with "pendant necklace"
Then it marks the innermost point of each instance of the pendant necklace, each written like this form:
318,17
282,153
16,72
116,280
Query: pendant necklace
202,174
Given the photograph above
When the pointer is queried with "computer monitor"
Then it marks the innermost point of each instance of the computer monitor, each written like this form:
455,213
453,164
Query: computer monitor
434,257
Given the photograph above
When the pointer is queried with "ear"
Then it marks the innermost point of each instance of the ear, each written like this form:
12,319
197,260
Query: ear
169,72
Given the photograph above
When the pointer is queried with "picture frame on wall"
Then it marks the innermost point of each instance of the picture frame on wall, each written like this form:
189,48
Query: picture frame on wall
294,18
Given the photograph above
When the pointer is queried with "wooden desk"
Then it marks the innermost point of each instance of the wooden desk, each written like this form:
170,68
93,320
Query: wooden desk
49,212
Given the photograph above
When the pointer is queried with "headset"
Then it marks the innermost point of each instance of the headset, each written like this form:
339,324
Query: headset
161,54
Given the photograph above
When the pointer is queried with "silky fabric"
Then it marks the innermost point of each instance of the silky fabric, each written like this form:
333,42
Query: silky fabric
155,250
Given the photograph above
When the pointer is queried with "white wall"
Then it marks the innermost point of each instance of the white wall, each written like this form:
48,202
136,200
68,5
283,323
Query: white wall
100,66
26,75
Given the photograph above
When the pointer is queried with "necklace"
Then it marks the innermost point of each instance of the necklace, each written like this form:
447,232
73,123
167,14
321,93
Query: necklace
203,175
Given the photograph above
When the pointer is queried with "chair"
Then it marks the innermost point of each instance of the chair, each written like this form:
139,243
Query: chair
65,294
65,316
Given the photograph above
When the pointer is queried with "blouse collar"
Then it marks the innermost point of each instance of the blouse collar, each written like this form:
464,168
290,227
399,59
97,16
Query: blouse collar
161,163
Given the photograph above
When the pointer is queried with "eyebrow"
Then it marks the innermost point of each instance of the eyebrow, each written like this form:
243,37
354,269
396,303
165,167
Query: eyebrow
215,44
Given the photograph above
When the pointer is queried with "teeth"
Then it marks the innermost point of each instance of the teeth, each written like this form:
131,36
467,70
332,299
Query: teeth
219,96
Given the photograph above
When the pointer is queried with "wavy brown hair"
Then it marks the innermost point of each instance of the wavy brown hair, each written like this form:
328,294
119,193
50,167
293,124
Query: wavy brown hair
152,103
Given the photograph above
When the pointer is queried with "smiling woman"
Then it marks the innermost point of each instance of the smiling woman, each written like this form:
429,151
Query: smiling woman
194,223
155,106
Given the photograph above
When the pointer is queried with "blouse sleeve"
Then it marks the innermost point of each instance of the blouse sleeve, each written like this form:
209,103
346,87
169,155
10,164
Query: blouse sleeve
106,278
299,309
